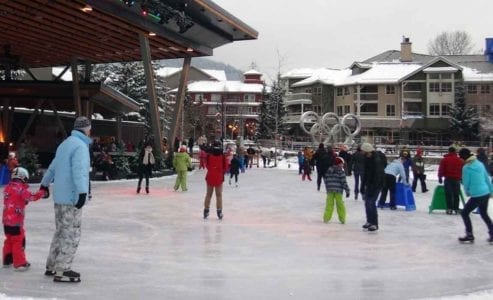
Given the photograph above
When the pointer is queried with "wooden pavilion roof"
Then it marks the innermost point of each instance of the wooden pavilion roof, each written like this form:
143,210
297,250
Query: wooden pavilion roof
41,33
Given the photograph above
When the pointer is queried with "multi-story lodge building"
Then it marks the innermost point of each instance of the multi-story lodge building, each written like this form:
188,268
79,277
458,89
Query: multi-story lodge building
398,95
229,108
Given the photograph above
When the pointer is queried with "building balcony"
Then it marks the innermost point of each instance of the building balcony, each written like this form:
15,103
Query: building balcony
298,99
412,96
366,97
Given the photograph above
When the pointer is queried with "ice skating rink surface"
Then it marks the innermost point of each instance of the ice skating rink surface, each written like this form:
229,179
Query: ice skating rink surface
272,244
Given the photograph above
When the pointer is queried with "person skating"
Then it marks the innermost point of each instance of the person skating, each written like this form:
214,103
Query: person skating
307,169
373,182
335,184
234,169
216,168
418,167
323,159
146,162
392,170
16,196
69,171
181,163
358,165
477,185
451,167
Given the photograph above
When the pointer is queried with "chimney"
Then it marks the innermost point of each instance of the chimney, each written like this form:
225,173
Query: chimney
406,51
489,49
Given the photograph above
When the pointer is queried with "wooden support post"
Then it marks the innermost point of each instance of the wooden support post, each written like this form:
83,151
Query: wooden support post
118,129
76,88
151,92
57,117
180,98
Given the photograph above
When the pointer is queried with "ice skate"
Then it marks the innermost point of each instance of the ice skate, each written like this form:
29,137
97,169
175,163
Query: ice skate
67,276
366,226
138,189
468,238
23,268
206,213
50,272
373,228
147,190
220,214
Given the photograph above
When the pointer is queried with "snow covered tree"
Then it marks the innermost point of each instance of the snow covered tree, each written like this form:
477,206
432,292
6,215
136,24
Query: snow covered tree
464,121
272,112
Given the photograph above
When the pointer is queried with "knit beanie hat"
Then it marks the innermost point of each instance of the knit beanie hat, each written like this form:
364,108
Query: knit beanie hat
339,161
82,123
367,147
183,149
464,153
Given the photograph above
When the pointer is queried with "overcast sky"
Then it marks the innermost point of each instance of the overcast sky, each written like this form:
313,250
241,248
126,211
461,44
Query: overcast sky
335,33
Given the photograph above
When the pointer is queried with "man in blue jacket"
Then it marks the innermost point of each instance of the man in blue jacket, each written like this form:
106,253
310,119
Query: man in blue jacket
70,172
477,185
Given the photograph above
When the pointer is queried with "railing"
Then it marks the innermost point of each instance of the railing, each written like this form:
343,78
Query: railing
366,97
298,96
412,95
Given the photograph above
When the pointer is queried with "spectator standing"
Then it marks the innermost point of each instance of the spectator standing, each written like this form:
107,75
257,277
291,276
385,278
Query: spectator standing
451,168
69,171
358,165
418,167
478,187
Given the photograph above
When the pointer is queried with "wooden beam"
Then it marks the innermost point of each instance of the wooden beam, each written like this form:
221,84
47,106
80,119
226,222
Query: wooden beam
151,92
180,98
57,117
30,121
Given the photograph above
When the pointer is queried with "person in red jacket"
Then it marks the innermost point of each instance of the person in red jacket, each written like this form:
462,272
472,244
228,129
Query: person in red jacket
451,168
216,167
16,197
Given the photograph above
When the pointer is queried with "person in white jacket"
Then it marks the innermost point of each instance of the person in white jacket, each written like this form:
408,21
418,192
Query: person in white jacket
394,169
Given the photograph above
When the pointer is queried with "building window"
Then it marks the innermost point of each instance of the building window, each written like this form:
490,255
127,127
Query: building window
199,97
390,110
309,91
369,109
472,89
390,89
446,87
318,91
317,109
339,91
485,89
249,98
434,87
215,98
434,76
346,90
434,109
347,109
446,76
445,109
211,110
339,110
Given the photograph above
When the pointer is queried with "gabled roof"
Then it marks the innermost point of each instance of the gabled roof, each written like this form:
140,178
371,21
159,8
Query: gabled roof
300,73
384,72
432,62
324,76
395,55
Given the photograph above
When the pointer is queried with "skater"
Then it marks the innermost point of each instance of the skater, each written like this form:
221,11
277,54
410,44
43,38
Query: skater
301,159
394,169
407,163
69,171
181,163
216,168
191,142
251,154
323,160
146,162
307,170
335,183
234,169
16,197
202,157
358,165
373,182
451,167
418,167
478,187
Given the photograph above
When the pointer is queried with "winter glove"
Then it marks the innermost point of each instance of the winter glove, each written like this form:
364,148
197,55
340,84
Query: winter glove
82,201
347,194
45,190
440,180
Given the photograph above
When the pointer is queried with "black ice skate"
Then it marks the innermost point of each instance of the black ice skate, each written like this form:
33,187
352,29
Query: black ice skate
220,214
373,228
50,272
23,268
206,213
468,238
366,226
67,276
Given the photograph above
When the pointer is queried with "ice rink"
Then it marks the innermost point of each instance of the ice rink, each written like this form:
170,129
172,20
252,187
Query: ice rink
272,244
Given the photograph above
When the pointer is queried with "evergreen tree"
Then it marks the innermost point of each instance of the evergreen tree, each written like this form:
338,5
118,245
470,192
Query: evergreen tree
272,112
464,121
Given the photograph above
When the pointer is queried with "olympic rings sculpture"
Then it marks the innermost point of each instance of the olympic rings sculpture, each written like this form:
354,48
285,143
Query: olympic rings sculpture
329,127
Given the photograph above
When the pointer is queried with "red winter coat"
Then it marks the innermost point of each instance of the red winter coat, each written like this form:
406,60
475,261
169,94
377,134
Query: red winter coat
216,167
451,166
16,196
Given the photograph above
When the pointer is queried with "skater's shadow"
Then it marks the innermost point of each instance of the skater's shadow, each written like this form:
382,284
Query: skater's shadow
212,240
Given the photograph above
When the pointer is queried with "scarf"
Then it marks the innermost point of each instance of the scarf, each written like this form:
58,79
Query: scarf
148,156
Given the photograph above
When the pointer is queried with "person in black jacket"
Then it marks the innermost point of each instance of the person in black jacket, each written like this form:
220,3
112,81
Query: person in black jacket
358,167
373,181
323,159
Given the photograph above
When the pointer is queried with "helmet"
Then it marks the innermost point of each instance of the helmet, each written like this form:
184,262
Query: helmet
20,173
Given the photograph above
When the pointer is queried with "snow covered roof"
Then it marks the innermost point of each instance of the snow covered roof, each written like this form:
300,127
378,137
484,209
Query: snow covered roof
473,75
226,86
385,73
168,71
440,70
300,73
324,76
252,72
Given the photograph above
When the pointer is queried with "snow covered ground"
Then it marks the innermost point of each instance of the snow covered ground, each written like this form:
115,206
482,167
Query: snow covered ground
272,244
